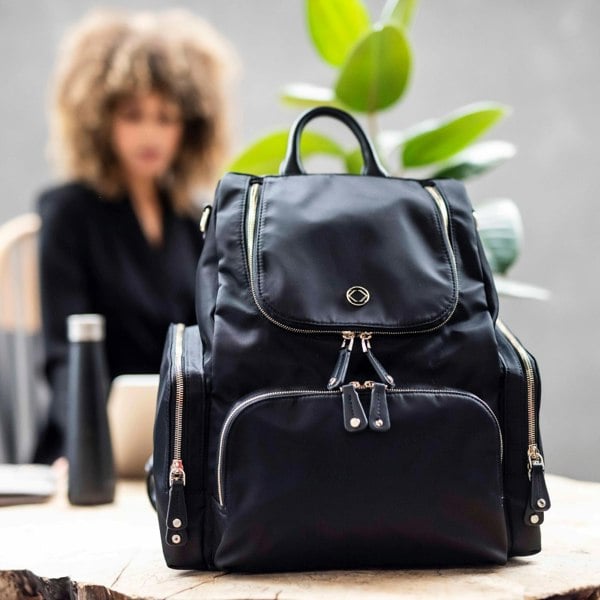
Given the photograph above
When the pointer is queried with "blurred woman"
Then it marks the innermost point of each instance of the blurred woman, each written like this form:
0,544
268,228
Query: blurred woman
139,121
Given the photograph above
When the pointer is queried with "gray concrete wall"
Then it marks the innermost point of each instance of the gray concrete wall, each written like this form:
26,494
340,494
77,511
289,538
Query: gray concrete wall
540,57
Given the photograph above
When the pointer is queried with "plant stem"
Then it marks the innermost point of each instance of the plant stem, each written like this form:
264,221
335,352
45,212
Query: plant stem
373,127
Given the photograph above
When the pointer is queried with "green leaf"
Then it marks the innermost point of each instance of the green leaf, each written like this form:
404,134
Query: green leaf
399,12
335,26
264,156
306,95
476,160
354,161
435,140
376,72
501,230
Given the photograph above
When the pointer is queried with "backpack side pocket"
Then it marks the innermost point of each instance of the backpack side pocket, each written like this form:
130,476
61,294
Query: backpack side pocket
179,449
524,466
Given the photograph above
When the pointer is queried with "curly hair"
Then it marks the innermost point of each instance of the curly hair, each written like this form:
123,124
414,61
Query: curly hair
112,54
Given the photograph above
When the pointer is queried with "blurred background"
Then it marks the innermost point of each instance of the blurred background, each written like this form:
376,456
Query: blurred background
539,57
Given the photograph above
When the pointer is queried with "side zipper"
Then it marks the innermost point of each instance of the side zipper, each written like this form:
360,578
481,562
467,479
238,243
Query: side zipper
176,521
251,218
539,499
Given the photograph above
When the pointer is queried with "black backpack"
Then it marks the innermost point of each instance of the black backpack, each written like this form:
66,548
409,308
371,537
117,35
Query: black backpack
349,398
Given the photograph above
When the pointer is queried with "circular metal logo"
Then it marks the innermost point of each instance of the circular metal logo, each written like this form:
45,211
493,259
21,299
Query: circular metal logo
357,295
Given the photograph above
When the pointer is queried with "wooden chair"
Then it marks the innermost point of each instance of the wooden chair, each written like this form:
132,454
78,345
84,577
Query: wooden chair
23,389
24,392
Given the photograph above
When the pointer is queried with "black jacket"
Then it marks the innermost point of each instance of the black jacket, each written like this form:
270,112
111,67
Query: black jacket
95,258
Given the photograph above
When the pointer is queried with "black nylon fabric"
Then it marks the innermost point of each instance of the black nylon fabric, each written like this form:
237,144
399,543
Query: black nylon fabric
351,492
242,338
318,236
252,353
192,554
276,477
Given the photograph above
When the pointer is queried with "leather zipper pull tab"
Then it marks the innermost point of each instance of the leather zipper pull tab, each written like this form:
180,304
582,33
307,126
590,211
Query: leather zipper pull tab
176,521
379,416
355,418
539,499
341,366
365,340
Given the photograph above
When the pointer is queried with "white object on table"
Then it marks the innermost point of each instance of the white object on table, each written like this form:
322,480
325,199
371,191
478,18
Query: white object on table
131,410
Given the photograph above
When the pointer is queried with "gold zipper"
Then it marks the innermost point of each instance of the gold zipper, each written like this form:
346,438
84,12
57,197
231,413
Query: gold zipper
365,385
176,517
441,207
176,471
533,453
204,217
250,235
251,224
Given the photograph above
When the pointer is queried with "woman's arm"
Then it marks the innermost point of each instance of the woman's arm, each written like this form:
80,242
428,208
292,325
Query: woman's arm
64,290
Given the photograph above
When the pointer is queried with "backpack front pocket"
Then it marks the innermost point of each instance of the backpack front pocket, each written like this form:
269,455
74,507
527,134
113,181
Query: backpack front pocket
299,488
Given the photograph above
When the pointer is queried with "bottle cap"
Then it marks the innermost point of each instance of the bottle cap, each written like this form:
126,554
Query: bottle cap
85,328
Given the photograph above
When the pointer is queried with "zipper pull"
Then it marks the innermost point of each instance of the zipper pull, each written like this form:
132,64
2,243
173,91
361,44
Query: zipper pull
176,521
539,499
365,340
355,418
341,366
379,416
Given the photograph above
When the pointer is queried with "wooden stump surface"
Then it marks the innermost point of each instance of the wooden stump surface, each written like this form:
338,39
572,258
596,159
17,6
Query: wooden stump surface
54,550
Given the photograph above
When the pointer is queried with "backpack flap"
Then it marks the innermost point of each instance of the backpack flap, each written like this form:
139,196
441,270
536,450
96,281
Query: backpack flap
329,253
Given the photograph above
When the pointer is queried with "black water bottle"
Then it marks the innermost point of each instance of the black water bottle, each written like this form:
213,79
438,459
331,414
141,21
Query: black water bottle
89,449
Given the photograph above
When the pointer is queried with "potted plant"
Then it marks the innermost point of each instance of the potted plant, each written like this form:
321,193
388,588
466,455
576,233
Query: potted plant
373,64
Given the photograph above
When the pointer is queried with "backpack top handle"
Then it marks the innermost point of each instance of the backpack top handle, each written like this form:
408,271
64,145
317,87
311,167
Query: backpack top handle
292,164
